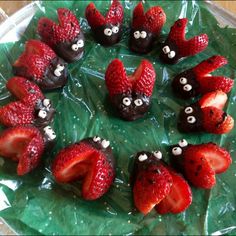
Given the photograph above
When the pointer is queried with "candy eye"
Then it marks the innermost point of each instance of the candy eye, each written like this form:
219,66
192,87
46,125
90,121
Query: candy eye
115,29
183,143
143,34
46,102
105,143
75,47
126,101
42,114
191,119
138,102
108,32
188,110
137,34
80,43
187,87
157,154
183,80
171,54
57,72
50,133
176,151
166,49
96,139
142,157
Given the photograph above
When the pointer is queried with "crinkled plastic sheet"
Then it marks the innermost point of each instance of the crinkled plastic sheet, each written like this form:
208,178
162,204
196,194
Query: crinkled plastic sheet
35,204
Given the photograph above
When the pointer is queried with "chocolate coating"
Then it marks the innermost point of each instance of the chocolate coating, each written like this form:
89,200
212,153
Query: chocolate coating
105,40
141,45
185,126
64,49
178,88
130,112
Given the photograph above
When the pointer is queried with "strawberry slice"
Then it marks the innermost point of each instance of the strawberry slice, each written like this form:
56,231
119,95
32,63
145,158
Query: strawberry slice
24,144
179,198
138,16
116,13
89,161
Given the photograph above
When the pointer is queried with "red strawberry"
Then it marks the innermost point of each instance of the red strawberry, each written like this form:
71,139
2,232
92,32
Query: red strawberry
116,13
24,90
179,198
91,161
24,144
138,16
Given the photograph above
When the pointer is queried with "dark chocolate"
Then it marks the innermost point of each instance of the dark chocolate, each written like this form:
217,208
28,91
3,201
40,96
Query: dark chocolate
105,40
141,45
184,125
130,112
64,49
178,87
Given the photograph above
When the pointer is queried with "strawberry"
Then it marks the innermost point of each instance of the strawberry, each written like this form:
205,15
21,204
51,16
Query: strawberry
197,80
176,46
23,144
151,181
138,16
90,161
179,198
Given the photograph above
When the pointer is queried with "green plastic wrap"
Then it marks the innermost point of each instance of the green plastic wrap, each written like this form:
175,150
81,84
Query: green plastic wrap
35,204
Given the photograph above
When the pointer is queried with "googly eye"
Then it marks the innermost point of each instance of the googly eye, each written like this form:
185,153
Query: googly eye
157,154
57,73
183,143
166,49
42,114
75,47
47,128
137,34
115,29
138,102
183,80
187,87
126,101
143,34
60,67
176,151
96,139
108,32
188,110
171,54
142,157
105,143
49,132
191,119
80,43
46,102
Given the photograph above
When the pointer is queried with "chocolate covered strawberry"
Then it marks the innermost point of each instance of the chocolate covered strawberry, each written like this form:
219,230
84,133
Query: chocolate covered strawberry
90,161
40,64
107,30
206,115
177,47
146,27
200,163
66,37
131,95
198,79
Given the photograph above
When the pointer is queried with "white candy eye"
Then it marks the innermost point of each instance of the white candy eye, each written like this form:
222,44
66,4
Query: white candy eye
126,101
171,54
75,47
47,129
137,34
143,34
60,67
50,133
42,114
187,87
183,143
142,157
57,73
108,32
105,143
80,43
183,80
176,151
46,102
138,102
191,119
166,49
96,139
157,154
115,29
188,110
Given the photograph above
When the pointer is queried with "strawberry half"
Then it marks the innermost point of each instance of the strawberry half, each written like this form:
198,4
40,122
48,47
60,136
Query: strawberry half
90,161
151,181
176,47
130,94
179,197
198,79
200,163
23,144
